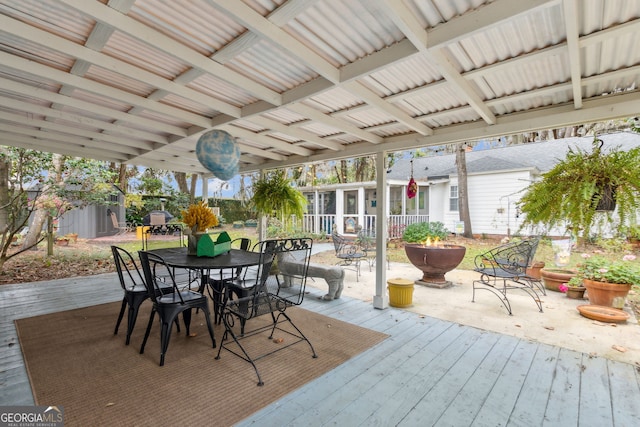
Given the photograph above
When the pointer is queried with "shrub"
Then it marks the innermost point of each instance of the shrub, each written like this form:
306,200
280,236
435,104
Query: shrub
421,231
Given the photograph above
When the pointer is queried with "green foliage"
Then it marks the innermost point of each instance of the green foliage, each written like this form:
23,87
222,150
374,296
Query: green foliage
233,210
420,231
601,269
568,195
633,232
274,195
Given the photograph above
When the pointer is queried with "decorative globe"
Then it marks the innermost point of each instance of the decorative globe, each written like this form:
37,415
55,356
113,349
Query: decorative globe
218,151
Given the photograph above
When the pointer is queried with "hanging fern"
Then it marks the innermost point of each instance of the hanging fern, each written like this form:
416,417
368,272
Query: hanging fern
572,191
273,195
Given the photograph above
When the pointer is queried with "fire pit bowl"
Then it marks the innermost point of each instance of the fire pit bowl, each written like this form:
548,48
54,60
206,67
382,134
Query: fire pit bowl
434,262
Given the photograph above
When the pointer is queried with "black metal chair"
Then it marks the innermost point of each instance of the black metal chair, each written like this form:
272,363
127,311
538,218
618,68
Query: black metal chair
366,240
270,292
505,267
133,285
169,305
218,280
348,252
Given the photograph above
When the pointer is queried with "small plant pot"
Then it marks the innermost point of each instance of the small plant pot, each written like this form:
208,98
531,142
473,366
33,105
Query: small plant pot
576,292
62,242
554,277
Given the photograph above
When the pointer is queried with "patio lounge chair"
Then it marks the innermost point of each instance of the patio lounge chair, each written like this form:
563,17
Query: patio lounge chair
270,295
504,268
122,227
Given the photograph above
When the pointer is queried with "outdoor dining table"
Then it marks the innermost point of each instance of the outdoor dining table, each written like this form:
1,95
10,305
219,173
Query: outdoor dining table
177,257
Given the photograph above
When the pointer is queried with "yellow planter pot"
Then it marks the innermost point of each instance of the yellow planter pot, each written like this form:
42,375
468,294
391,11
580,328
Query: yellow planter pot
400,292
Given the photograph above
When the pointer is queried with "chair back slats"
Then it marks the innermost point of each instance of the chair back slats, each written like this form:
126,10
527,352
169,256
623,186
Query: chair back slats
159,277
114,220
513,257
280,278
293,257
128,271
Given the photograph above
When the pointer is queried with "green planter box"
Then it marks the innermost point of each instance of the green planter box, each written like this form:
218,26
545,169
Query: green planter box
211,248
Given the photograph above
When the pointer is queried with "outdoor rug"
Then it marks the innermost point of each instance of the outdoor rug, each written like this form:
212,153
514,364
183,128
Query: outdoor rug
74,360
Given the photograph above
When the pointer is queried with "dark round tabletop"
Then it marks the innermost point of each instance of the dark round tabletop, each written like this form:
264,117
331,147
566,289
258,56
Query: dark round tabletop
235,258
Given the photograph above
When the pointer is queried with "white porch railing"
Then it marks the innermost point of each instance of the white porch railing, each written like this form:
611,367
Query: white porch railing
319,224
397,224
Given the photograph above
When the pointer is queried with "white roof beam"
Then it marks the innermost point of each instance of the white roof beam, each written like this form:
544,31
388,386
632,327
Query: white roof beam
129,26
296,132
570,10
407,23
91,56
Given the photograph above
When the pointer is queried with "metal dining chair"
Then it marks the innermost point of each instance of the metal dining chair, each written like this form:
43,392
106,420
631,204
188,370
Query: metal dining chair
219,279
134,287
169,305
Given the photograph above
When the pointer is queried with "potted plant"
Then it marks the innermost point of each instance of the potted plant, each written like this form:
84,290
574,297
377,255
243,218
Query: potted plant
274,195
574,288
584,183
426,252
554,278
608,282
633,235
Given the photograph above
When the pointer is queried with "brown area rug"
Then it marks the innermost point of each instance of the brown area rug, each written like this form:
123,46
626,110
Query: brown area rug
74,360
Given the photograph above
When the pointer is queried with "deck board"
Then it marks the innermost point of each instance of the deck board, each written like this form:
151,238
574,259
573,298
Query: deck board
428,372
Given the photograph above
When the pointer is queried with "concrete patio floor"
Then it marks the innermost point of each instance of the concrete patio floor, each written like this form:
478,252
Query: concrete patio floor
559,324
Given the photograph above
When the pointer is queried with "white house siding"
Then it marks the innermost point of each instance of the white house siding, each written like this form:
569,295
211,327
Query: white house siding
492,202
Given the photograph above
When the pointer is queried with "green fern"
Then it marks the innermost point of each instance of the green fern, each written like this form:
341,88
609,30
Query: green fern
568,195
273,195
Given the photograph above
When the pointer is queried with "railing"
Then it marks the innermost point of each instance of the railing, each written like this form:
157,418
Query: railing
397,224
318,224
323,224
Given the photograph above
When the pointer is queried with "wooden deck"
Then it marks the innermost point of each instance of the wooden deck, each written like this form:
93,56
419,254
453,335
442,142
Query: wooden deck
428,372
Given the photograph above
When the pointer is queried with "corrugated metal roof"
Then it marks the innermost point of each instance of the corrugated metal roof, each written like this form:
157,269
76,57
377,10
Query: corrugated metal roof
304,80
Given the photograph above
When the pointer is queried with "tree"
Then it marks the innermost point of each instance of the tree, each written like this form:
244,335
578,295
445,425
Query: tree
54,182
463,199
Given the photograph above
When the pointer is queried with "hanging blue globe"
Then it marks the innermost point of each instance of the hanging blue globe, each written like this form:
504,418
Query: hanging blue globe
219,153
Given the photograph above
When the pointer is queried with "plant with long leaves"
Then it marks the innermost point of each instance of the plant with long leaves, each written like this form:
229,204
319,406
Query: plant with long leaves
274,195
571,193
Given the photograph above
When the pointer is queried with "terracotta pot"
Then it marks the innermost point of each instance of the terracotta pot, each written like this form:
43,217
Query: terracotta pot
606,294
534,270
576,292
434,261
62,242
554,277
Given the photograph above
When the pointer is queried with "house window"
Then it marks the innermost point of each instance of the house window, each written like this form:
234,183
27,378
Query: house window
310,204
453,198
351,202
